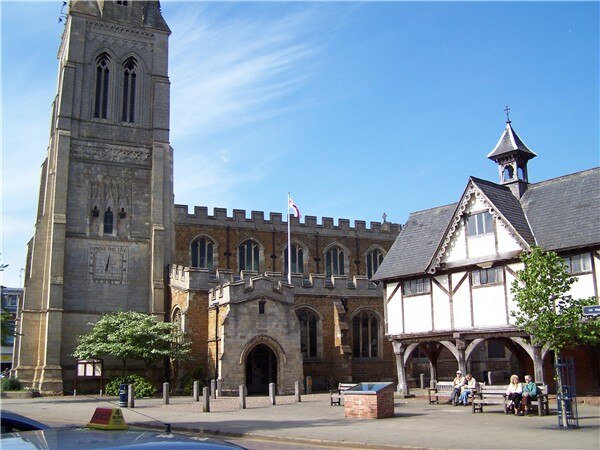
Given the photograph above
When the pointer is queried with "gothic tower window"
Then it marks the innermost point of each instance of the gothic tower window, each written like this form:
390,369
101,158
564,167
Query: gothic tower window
123,2
297,259
102,80
129,86
365,335
334,261
249,255
374,259
308,332
108,221
202,253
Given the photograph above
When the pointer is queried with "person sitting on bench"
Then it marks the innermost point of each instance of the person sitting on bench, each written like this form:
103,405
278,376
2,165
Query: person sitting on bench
530,392
514,393
456,387
469,386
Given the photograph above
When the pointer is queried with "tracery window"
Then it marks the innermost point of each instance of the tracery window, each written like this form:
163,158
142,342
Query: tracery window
102,84
374,260
297,259
249,255
365,335
129,86
202,253
308,332
334,261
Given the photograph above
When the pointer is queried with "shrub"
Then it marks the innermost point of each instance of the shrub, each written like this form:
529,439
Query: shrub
11,384
142,387
197,374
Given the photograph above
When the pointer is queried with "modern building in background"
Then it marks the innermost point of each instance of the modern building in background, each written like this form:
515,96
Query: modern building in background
11,298
447,278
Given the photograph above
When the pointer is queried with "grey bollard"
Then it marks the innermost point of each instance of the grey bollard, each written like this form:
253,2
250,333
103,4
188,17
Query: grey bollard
219,389
165,393
131,396
308,385
422,377
432,384
489,377
297,397
205,400
196,393
100,392
272,393
213,389
242,390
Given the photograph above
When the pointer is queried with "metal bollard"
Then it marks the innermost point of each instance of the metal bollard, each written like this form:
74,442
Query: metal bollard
422,378
213,389
196,393
297,397
242,391
131,394
205,400
308,385
165,393
123,395
272,393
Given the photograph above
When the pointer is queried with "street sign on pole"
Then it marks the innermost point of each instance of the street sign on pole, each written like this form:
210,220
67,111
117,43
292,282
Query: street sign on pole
591,311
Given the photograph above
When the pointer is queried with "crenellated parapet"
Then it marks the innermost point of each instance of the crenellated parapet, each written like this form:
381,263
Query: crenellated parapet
256,220
193,279
251,288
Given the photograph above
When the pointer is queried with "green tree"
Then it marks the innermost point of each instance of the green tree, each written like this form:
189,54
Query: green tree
545,311
130,335
5,329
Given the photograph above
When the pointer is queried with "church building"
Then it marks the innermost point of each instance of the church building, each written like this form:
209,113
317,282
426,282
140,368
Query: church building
108,237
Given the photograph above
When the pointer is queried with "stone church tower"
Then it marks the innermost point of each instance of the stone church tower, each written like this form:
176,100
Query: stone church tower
103,233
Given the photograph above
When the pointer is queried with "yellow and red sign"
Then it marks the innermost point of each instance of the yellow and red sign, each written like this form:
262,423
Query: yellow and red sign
108,419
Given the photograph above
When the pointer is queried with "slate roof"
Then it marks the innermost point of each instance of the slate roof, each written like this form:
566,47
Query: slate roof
558,214
509,143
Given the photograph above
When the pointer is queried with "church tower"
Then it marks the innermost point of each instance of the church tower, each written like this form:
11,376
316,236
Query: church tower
103,233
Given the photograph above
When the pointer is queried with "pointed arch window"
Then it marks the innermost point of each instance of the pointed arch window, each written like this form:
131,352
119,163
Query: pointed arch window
308,332
108,221
334,261
129,87
249,255
102,82
297,259
365,335
374,260
202,253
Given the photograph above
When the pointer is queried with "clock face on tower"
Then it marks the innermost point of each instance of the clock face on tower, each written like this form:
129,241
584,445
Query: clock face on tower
108,263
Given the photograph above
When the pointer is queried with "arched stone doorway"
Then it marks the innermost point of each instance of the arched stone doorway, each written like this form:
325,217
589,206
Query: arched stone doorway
261,369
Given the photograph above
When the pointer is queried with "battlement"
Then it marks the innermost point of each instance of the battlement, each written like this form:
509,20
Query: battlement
256,219
193,279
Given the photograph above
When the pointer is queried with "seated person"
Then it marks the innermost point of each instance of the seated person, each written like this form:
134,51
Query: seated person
514,393
530,392
469,386
456,387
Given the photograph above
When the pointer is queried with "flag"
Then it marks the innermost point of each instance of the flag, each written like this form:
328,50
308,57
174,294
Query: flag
293,205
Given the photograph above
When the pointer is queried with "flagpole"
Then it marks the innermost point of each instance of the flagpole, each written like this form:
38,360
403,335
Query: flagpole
289,242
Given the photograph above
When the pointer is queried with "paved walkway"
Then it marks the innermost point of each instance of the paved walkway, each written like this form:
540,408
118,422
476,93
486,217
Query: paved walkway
416,423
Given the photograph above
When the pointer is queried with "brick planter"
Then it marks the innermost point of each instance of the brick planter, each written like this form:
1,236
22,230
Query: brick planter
369,401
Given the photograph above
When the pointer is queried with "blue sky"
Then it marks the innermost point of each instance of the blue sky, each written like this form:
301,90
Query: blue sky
355,108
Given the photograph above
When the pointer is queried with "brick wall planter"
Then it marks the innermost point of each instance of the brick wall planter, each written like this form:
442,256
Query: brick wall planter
369,401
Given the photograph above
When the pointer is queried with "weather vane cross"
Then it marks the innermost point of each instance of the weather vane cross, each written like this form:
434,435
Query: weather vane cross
507,111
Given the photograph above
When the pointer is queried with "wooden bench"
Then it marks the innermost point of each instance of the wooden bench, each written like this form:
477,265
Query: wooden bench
336,395
496,395
442,389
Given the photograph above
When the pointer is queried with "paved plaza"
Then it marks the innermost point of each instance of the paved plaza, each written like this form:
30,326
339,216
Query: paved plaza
313,421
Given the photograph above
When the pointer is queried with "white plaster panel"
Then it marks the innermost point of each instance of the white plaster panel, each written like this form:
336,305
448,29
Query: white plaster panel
456,250
441,306
512,304
489,306
506,242
483,245
462,306
583,287
394,309
418,313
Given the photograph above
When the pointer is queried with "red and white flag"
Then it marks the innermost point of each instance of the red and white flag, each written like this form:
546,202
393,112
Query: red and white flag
293,205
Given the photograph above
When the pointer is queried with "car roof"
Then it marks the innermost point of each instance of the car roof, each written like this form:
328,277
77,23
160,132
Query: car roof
86,438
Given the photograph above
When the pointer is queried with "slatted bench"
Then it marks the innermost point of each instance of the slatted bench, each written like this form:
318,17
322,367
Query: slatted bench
442,389
496,395
336,395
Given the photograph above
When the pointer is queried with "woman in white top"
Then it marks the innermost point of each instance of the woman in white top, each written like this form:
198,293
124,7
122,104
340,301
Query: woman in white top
514,393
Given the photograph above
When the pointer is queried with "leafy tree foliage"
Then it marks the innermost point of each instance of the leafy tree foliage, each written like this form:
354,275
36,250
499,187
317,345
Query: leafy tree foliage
552,318
130,335
141,386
